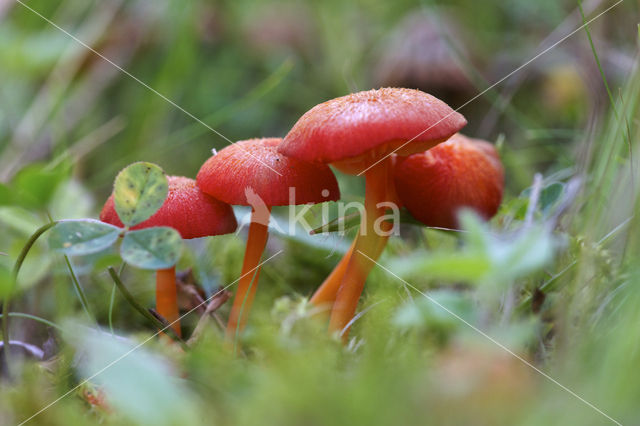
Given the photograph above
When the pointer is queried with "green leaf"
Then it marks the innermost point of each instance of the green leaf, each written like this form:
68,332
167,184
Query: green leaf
6,195
343,223
139,191
407,218
527,252
34,185
449,266
338,224
550,196
476,237
152,248
104,260
72,200
426,313
511,255
19,219
486,258
141,386
82,236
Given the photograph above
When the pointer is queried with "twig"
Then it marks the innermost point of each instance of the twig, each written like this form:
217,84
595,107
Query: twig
216,302
197,301
159,317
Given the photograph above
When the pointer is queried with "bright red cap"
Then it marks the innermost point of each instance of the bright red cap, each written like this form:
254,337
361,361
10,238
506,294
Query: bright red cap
188,210
380,120
242,167
461,172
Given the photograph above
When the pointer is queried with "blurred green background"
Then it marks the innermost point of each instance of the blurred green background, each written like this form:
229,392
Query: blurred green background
561,291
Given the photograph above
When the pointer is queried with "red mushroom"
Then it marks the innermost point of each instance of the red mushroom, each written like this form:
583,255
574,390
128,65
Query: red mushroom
459,173
357,134
252,172
434,185
193,214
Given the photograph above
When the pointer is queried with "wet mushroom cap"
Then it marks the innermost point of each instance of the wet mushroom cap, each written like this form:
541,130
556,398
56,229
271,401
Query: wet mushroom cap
188,210
376,120
459,173
256,165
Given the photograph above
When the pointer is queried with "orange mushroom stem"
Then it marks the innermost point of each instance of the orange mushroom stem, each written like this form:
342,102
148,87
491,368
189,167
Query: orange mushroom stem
248,283
325,295
365,250
167,298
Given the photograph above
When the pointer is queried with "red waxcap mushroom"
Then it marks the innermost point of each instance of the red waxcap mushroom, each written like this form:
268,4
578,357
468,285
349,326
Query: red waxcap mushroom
187,209
356,130
358,134
254,173
459,173
257,164
434,186
193,214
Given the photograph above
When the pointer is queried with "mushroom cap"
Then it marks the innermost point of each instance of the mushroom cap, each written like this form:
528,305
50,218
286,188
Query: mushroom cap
459,173
375,121
188,210
241,168
419,54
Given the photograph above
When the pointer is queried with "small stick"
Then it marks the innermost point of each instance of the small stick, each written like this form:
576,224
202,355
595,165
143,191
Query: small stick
216,302
197,301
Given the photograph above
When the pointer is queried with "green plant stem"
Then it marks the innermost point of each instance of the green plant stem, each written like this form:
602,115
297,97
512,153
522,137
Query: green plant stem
76,283
612,101
244,300
546,288
6,302
32,317
129,298
597,59
79,290
111,303
112,299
